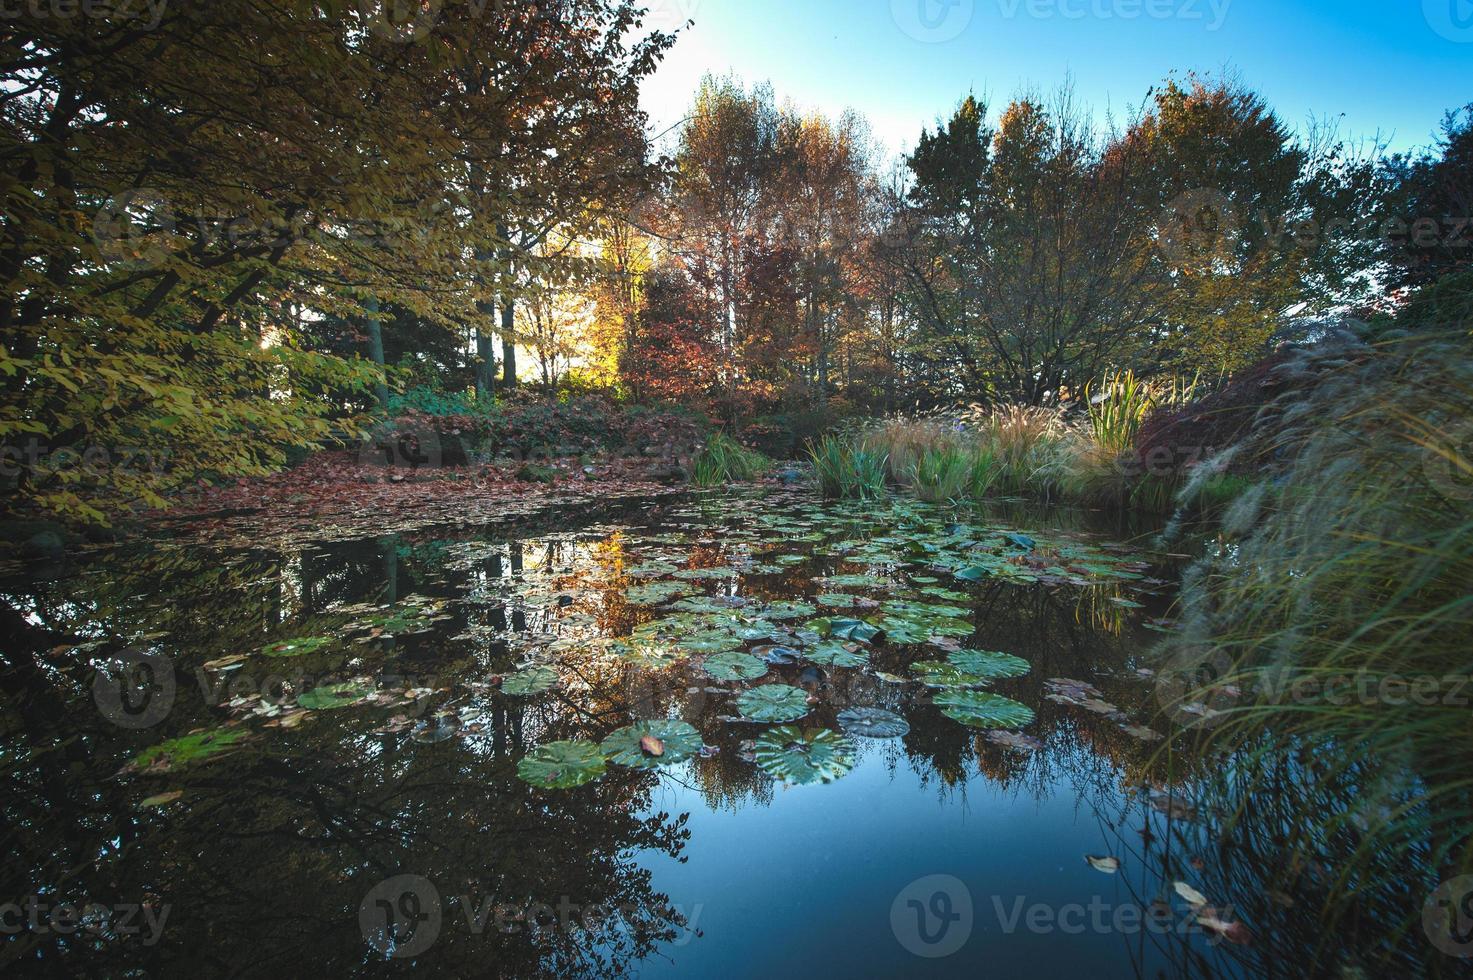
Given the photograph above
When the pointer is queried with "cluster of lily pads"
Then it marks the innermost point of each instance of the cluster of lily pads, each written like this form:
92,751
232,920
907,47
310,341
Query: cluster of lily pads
736,591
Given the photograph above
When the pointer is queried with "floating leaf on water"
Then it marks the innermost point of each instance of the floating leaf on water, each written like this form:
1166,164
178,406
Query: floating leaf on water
873,723
649,744
989,664
226,663
840,628
788,610
835,654
776,655
1142,732
1014,740
704,574
651,656
1192,896
892,678
561,765
773,703
980,709
300,646
187,748
331,696
1233,931
734,666
1108,865
532,681
837,600
939,673
161,799
802,757
651,569
654,593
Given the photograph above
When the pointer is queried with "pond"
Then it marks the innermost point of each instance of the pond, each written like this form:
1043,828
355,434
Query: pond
750,734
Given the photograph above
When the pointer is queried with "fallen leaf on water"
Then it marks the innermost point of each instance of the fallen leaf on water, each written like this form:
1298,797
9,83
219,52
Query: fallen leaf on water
650,745
1108,865
162,798
1234,932
1192,896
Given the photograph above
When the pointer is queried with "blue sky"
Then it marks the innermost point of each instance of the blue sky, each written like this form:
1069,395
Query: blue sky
1390,66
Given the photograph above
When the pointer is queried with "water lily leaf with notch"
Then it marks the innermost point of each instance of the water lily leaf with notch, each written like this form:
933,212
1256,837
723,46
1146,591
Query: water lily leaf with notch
940,673
652,656
529,682
562,765
331,696
298,647
841,628
801,757
773,703
788,610
733,666
989,664
835,654
187,748
837,600
654,593
873,723
979,709
704,574
856,581
680,742
652,569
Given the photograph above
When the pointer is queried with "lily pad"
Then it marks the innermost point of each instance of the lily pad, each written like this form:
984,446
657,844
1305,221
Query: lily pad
841,628
331,696
796,756
788,610
652,656
980,709
561,765
873,723
989,664
773,702
187,748
836,654
298,647
654,593
734,666
940,673
778,656
677,740
533,680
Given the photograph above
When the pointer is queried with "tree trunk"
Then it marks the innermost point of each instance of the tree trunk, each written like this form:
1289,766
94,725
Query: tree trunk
508,343
376,352
485,358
